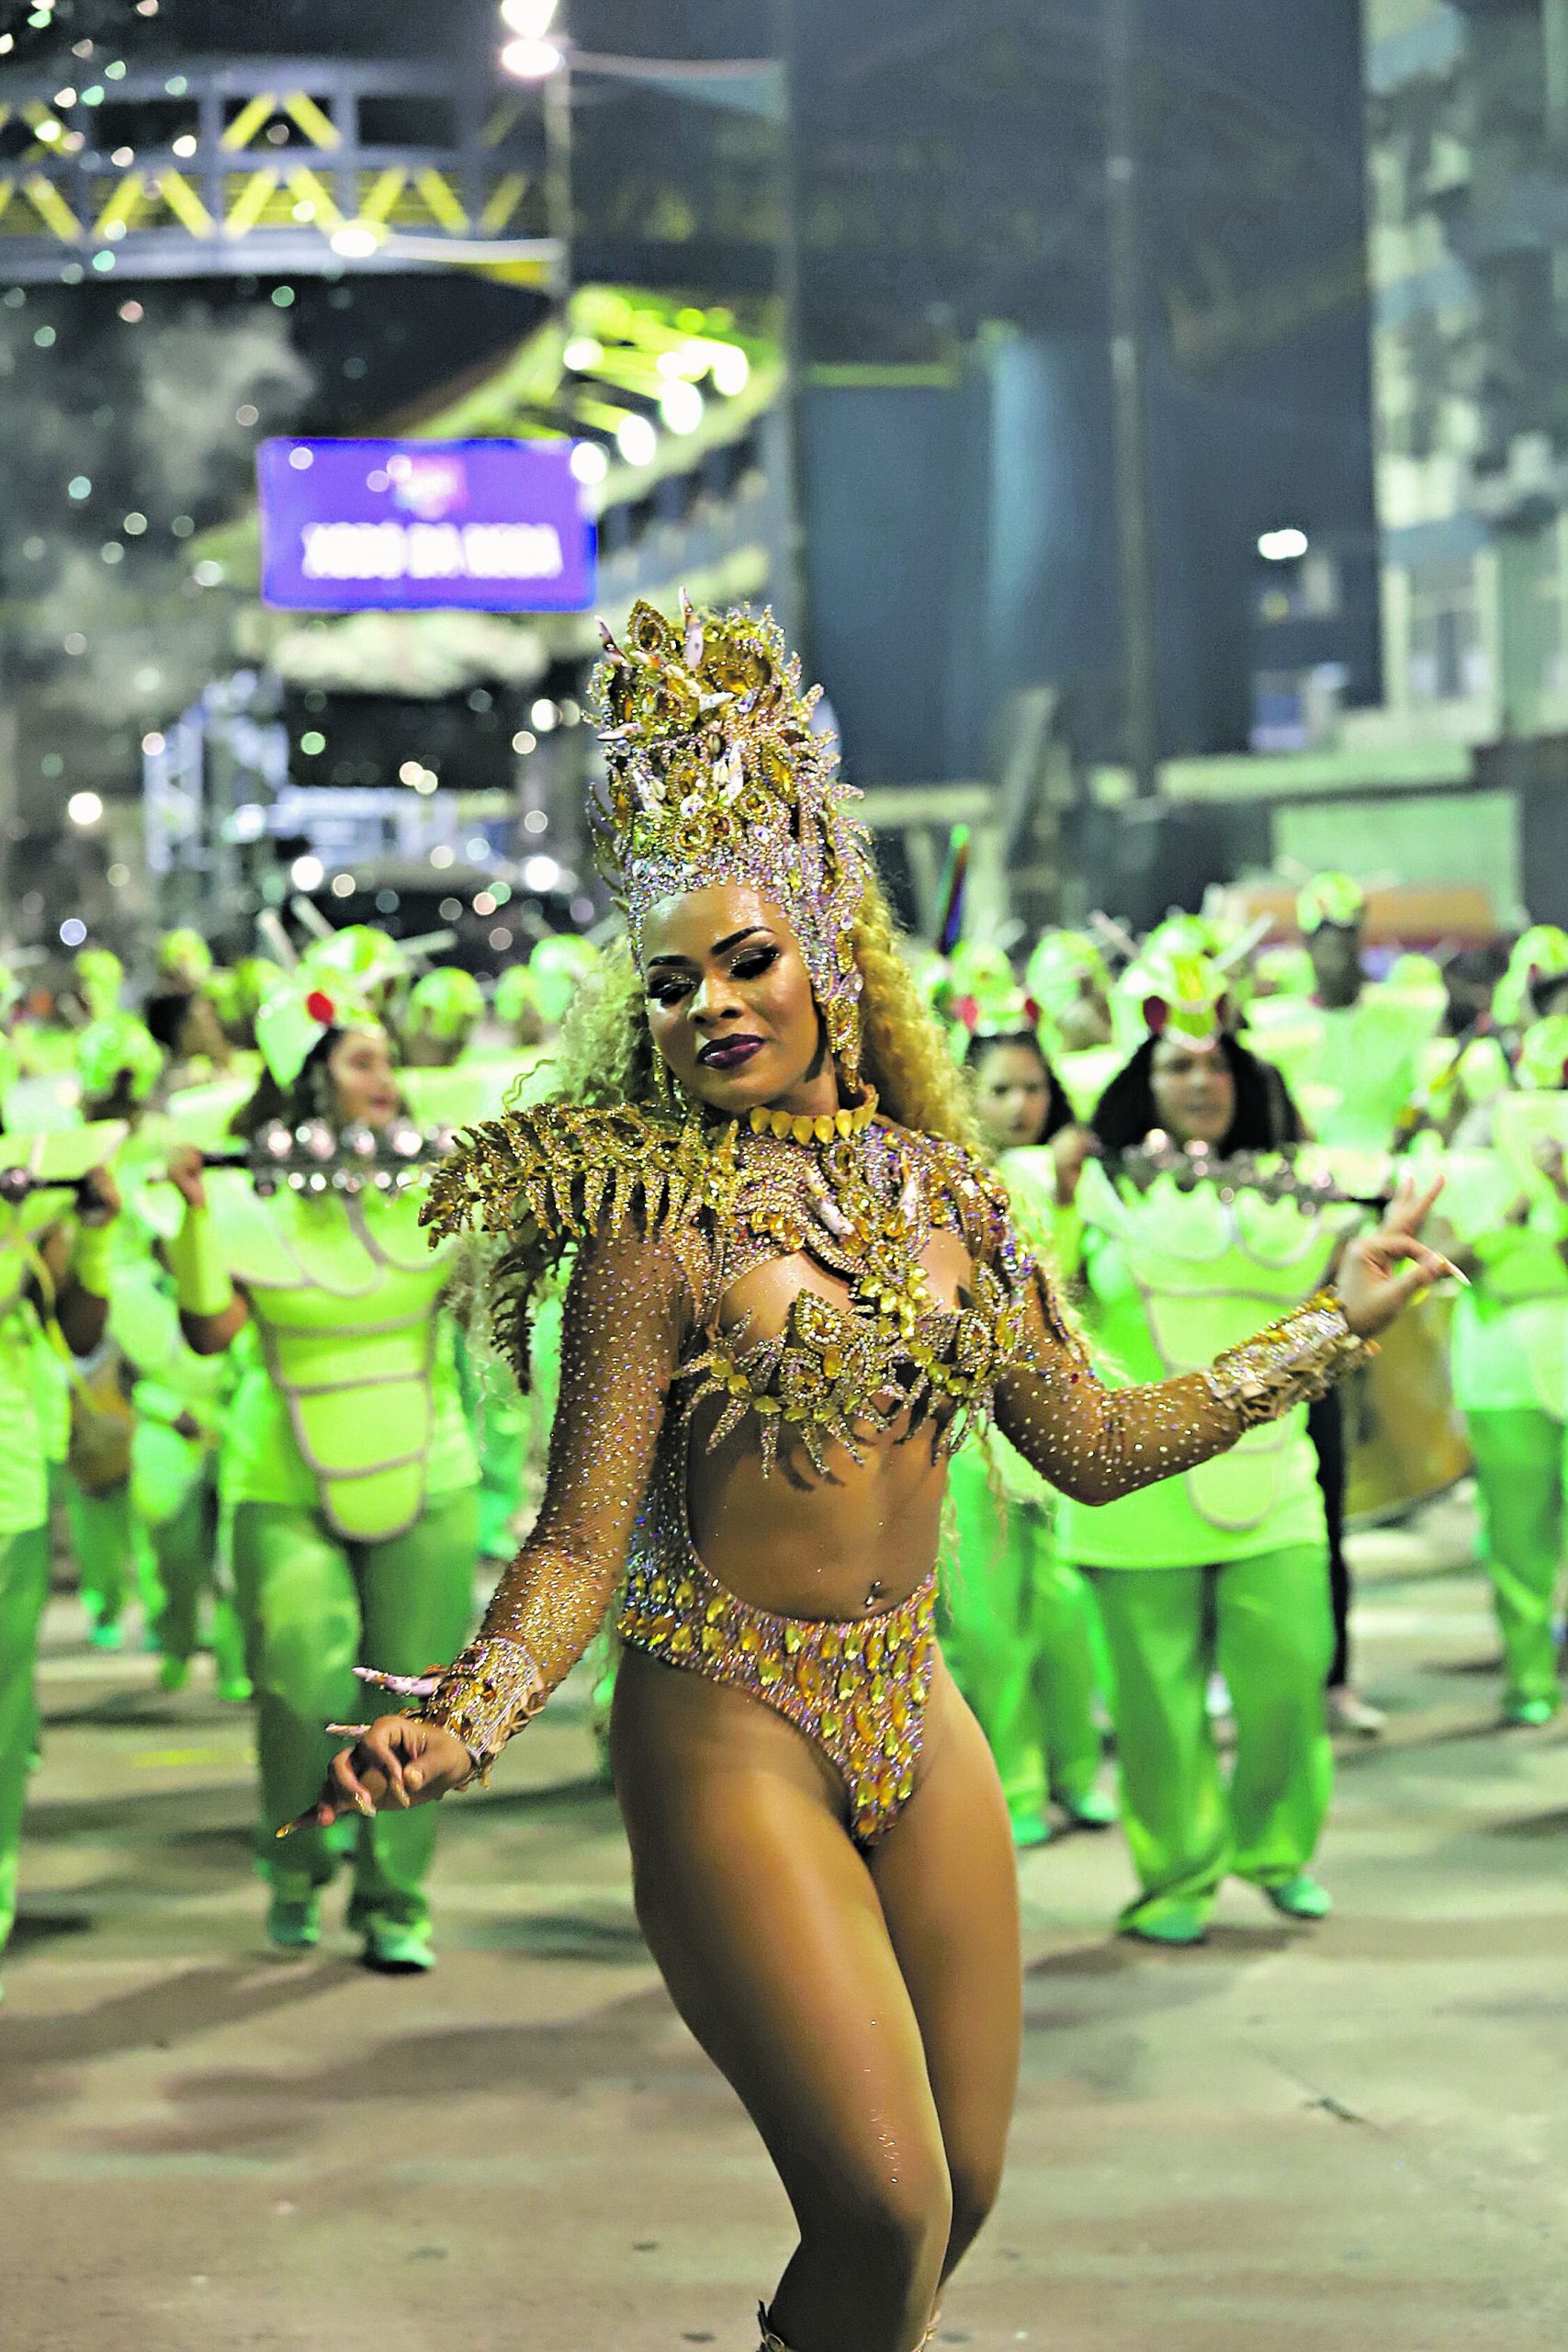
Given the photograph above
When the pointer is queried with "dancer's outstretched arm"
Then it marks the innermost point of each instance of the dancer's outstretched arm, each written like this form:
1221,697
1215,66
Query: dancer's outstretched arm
1096,1442
626,1308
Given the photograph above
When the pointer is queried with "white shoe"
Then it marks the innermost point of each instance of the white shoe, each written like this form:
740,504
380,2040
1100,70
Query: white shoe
1347,1711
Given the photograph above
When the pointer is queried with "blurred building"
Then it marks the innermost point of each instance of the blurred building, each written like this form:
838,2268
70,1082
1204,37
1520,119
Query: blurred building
1461,772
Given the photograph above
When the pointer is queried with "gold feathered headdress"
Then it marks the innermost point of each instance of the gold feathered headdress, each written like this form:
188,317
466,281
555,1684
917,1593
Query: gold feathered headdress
714,773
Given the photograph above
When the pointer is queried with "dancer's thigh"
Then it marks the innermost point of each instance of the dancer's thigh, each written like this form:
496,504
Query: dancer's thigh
948,1881
767,1929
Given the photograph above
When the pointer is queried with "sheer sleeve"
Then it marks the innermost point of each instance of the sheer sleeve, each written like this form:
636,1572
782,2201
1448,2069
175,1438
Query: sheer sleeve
1096,1442
626,1308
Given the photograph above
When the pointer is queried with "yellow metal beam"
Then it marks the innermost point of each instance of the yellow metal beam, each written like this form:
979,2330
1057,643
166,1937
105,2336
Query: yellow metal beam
378,198
251,203
249,120
127,201
312,189
515,273
185,205
319,128
442,201
503,202
504,118
51,207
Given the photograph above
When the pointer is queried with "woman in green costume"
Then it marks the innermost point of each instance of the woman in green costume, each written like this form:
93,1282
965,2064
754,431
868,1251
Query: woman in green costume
181,1402
54,1263
348,1463
1017,1627
1506,1207
119,1065
1227,1567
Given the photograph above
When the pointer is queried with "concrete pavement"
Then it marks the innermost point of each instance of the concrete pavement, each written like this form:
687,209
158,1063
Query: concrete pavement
1349,2136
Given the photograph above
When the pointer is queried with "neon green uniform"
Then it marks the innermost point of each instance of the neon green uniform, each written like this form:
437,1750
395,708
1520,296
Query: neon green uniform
1018,1625
351,1475
180,1401
29,1392
1511,1380
1226,1567
1352,1068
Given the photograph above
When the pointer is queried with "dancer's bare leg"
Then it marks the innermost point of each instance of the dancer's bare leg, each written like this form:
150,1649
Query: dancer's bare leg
771,1936
948,1881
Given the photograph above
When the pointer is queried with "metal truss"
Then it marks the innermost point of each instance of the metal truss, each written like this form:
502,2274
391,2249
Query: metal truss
226,165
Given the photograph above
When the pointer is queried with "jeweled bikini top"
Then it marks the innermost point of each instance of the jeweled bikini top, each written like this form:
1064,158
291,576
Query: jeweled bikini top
862,1205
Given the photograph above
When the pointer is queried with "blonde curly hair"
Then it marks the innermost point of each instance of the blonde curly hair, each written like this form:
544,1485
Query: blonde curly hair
605,1052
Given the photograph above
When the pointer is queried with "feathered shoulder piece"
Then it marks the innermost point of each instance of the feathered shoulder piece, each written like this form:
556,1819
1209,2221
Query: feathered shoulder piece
551,1175
572,1170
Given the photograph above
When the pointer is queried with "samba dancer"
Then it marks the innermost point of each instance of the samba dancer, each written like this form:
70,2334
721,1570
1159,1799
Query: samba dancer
795,1290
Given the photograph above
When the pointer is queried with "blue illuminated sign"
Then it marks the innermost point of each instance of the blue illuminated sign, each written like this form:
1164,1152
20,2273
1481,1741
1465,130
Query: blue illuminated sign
493,527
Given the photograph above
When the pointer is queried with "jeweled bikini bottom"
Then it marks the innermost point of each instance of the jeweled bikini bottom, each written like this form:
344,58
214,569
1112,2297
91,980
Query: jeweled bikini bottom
856,1686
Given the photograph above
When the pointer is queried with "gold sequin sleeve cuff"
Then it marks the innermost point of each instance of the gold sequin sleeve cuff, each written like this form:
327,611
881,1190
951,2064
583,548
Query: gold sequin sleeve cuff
1292,1362
489,1691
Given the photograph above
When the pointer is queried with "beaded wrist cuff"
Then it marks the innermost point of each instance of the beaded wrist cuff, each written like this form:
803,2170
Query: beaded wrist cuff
1292,1362
488,1692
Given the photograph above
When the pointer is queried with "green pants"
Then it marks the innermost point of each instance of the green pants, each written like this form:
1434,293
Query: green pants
1018,1631
1520,1464
1265,1624
498,1414
110,1553
184,1551
313,1607
24,1588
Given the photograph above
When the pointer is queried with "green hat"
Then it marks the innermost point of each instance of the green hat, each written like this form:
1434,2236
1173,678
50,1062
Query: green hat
185,957
98,974
117,1043
446,1003
359,955
254,978
1543,1055
516,992
1416,974
294,1019
560,964
222,992
1539,960
1286,969
1063,966
1179,995
1332,898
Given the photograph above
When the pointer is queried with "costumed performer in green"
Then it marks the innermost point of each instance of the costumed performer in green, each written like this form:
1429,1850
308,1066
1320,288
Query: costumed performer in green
1505,1212
1182,1246
54,1280
348,1465
1017,1623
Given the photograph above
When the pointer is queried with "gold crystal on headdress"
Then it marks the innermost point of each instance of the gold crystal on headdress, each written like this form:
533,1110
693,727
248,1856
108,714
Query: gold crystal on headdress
714,773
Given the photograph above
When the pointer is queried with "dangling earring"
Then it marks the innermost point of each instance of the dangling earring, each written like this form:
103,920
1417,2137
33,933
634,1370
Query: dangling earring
844,1042
664,1088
